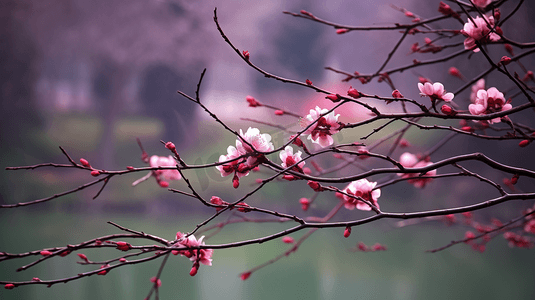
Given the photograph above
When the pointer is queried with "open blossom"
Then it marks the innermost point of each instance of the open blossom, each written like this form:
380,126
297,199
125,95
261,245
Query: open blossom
161,161
434,91
364,189
488,102
204,256
480,32
320,133
260,143
289,158
233,166
409,160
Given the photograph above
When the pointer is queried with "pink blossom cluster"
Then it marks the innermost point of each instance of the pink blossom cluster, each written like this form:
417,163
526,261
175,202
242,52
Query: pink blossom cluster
321,132
203,256
478,30
364,189
488,102
162,176
252,158
408,160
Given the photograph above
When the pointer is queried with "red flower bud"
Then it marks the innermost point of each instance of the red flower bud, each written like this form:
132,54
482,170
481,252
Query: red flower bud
306,13
353,93
163,184
333,97
469,235
170,146
362,247
298,142
123,246
65,253
243,207
341,30
467,128
289,177
95,173
9,286
514,180
279,112
122,259
244,276
455,72
409,14
246,54
157,281
347,232
378,247
235,182
305,203
82,256
216,200
193,271
252,101
45,253
448,110
315,186
403,143
509,49
396,94
84,163
130,168
524,143
288,240
505,60
308,82
423,80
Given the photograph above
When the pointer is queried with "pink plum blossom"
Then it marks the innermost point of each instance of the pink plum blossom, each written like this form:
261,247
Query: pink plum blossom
204,256
488,102
289,158
409,160
241,167
320,133
435,91
233,166
162,161
260,143
364,189
480,32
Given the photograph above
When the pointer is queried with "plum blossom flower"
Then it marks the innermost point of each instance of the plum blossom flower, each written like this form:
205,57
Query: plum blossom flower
289,158
260,143
233,166
488,102
320,133
479,31
364,189
435,91
409,160
162,161
204,256
241,167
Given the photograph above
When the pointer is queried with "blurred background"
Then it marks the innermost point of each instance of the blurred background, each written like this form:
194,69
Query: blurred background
92,76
